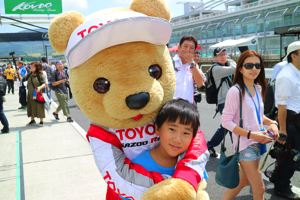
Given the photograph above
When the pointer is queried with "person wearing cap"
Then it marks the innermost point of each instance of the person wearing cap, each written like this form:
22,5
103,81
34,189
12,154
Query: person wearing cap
186,69
287,99
221,71
48,69
58,80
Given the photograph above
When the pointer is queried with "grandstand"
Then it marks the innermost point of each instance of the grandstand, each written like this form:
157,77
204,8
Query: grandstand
240,19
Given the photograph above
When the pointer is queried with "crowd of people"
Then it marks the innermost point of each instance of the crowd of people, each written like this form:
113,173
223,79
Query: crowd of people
36,77
178,121
247,77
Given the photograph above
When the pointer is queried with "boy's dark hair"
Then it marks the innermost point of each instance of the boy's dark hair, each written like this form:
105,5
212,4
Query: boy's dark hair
189,38
197,52
181,109
289,58
44,59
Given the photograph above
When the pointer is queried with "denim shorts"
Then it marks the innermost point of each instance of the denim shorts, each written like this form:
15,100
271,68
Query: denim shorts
251,153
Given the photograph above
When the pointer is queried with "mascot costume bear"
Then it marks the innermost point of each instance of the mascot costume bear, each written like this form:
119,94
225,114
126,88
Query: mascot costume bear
121,74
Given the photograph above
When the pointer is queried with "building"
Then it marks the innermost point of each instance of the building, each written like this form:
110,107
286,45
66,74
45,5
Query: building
241,18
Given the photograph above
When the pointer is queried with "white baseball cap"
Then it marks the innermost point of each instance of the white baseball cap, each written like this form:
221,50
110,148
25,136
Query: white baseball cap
104,31
292,47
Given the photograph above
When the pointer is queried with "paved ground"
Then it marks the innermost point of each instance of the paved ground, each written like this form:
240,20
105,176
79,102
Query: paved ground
50,162
55,161
208,126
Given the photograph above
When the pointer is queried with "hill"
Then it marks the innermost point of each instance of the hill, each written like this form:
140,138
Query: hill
31,51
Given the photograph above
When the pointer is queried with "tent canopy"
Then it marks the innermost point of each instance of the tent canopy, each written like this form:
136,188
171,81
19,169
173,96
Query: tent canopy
235,43
286,30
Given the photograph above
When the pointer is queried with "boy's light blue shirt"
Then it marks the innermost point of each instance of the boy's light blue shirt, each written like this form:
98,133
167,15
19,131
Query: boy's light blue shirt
149,164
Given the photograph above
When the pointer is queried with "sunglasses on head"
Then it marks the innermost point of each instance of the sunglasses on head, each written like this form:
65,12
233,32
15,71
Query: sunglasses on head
251,65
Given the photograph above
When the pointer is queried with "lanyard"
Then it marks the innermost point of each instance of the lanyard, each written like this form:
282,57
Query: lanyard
257,110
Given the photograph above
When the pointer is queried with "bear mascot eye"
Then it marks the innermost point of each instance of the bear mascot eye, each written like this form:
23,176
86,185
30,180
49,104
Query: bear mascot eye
155,71
101,85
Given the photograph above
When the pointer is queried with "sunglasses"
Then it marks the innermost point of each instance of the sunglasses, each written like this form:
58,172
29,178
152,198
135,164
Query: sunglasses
251,65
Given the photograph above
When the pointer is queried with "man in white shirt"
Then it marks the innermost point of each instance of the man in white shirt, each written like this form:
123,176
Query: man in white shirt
186,69
287,98
277,69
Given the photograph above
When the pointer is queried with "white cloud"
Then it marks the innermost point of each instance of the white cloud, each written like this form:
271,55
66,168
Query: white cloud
78,4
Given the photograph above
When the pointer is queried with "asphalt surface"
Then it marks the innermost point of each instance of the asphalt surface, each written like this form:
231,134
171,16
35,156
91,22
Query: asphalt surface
208,126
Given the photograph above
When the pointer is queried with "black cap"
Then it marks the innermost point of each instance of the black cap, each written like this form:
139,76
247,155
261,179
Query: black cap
218,50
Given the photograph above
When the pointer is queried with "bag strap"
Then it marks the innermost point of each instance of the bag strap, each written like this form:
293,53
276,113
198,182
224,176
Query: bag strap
66,72
241,117
173,61
240,124
55,76
32,83
38,77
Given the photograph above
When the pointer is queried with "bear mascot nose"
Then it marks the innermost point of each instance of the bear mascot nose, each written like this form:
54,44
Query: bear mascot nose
137,101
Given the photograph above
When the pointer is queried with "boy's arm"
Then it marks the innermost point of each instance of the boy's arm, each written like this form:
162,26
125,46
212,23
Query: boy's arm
128,178
192,166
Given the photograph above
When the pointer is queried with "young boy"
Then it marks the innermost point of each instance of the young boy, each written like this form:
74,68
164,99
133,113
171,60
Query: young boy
176,124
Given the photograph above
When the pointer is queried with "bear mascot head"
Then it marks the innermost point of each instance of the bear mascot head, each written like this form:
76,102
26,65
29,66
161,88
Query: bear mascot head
121,75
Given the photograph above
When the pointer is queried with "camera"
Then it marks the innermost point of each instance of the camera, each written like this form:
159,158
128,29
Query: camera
296,154
12,53
278,150
67,83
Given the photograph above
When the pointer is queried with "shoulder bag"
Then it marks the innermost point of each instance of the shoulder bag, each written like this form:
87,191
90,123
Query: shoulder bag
39,97
227,174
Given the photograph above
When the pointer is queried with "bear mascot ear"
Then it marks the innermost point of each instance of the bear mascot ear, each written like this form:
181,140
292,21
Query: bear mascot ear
61,28
154,8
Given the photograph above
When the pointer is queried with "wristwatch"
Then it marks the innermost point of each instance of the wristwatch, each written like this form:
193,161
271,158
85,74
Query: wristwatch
192,65
273,122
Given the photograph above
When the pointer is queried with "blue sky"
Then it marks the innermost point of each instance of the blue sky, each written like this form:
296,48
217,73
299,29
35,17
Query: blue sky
87,7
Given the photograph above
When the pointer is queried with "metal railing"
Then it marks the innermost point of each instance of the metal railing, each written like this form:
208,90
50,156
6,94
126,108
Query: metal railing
293,15
265,19
243,7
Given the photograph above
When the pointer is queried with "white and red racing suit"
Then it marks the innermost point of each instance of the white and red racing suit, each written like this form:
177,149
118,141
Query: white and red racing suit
113,150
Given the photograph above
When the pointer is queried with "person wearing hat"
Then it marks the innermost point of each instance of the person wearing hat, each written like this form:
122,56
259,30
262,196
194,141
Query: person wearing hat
58,80
287,99
186,69
221,71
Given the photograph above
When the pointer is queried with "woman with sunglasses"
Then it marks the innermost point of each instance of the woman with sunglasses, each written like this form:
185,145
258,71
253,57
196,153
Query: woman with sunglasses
250,79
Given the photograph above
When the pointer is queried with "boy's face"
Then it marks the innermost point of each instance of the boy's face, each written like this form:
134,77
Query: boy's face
175,138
